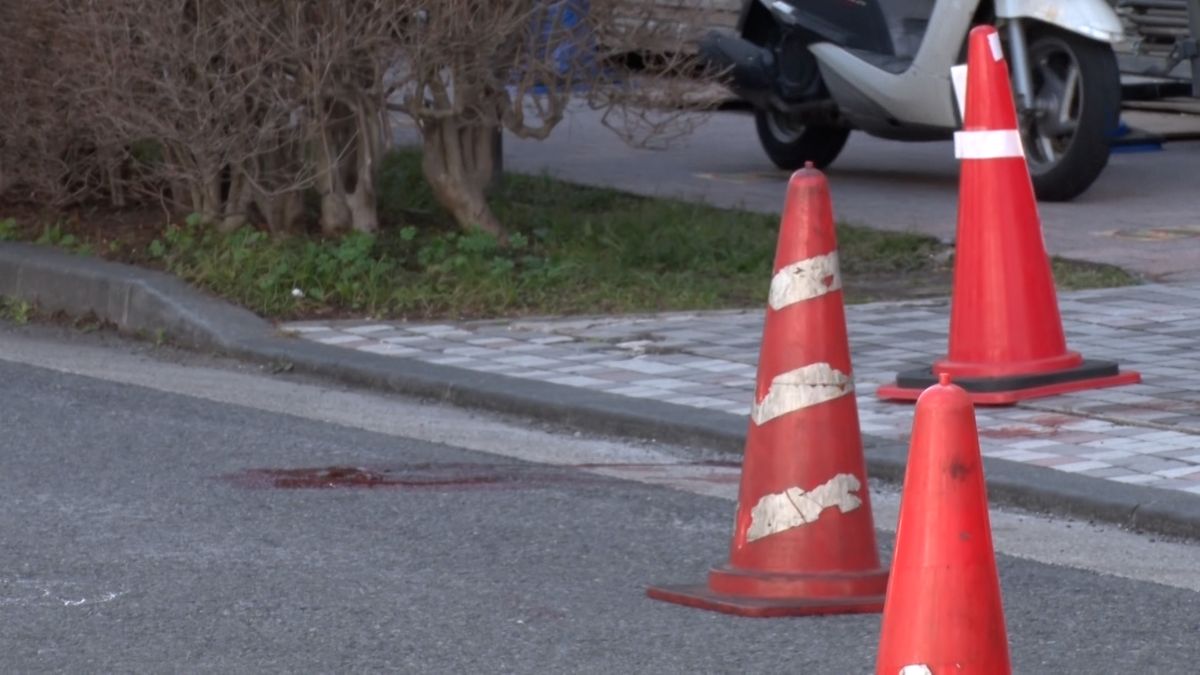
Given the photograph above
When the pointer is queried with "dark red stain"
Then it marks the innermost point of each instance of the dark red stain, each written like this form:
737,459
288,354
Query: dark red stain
334,477
431,476
1051,426
1013,432
1054,420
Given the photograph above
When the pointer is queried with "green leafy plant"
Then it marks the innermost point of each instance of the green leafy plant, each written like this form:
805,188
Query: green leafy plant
8,230
17,311
570,249
55,235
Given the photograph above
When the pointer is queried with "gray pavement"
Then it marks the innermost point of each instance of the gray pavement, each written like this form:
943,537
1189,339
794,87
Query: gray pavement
126,551
1145,434
1141,214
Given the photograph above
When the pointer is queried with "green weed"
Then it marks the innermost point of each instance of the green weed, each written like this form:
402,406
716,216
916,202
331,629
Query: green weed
16,311
8,230
571,249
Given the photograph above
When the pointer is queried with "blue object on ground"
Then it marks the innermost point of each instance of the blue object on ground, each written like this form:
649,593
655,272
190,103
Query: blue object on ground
1123,143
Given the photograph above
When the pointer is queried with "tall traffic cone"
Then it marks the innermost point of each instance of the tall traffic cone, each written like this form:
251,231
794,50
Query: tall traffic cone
1006,335
804,538
943,612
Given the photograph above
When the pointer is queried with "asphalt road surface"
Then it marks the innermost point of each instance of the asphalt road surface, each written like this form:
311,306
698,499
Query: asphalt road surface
137,538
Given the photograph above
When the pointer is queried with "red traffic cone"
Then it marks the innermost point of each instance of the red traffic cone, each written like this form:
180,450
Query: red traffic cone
1006,335
943,612
804,538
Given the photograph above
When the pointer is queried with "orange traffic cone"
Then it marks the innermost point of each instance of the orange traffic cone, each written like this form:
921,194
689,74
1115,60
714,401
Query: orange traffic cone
943,612
804,538
1006,335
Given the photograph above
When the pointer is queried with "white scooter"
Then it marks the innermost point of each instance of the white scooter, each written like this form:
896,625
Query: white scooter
814,70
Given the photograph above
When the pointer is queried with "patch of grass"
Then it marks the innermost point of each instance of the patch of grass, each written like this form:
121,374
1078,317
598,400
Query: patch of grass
1075,275
16,311
9,230
572,249
55,235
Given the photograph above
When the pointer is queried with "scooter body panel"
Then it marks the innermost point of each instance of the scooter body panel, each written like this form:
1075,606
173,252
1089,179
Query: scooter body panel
901,104
918,102
1095,19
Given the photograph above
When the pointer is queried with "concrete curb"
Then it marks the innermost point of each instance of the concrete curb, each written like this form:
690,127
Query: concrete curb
144,301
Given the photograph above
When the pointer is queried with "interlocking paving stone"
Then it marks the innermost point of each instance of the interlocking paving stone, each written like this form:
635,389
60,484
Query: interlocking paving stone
1141,434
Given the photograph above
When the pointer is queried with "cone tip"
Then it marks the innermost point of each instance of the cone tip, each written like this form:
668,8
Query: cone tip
944,393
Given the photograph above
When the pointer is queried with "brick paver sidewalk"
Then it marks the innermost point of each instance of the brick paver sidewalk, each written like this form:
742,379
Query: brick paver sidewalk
1147,433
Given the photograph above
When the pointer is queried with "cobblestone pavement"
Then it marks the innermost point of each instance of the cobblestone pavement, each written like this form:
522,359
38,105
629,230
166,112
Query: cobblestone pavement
1146,434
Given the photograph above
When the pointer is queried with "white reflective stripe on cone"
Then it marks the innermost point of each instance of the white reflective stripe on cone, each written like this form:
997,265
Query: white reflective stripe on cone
997,49
988,144
805,280
802,388
796,507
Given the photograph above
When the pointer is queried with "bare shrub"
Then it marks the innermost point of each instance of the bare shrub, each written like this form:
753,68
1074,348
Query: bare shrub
48,151
194,79
251,102
234,109
473,66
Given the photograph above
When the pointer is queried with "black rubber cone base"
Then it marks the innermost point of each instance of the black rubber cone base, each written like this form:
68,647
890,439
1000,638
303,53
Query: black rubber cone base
700,597
1007,390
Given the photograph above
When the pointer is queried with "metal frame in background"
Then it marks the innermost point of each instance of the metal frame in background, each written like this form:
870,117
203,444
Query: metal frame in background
1189,44
1163,47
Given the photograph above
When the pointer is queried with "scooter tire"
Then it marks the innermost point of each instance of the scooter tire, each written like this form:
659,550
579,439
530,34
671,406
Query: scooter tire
817,144
1087,152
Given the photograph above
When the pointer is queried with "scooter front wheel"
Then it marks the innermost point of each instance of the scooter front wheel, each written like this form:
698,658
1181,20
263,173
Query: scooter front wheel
790,145
1077,99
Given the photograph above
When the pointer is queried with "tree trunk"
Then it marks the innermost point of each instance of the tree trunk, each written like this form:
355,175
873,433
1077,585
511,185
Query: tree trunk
278,202
209,206
349,145
282,212
364,212
237,202
335,213
497,159
458,163
116,187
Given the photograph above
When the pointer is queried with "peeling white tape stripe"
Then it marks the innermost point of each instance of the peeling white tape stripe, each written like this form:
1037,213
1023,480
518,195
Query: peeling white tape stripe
801,388
988,144
997,50
805,280
794,507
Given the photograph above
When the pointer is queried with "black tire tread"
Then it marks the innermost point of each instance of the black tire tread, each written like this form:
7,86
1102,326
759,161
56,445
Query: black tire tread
817,144
1088,154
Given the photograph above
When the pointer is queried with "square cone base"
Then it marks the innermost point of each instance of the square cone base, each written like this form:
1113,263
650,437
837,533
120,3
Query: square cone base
700,597
1011,389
